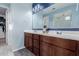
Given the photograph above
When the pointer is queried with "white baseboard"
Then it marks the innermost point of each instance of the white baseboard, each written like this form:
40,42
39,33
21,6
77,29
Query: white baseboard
18,49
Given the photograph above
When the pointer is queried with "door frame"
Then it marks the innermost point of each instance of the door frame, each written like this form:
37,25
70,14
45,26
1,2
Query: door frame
7,21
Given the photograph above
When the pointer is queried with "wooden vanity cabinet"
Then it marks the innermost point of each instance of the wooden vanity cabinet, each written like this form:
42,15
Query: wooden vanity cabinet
42,45
28,41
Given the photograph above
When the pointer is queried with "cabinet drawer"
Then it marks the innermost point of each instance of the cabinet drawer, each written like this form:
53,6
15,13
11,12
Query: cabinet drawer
61,42
36,43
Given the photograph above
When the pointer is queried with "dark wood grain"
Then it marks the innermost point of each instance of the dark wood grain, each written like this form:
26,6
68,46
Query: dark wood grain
50,46
28,41
36,44
77,51
61,42
36,51
62,52
36,40
36,36
45,49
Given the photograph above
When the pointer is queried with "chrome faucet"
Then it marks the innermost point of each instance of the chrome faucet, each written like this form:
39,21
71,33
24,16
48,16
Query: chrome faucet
59,32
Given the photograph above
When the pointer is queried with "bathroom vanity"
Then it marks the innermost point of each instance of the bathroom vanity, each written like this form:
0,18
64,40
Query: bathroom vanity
50,45
58,17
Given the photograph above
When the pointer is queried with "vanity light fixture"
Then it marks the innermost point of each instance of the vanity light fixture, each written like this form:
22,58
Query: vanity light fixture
37,8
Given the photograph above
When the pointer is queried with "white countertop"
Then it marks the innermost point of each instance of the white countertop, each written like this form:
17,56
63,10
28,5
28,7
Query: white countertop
66,36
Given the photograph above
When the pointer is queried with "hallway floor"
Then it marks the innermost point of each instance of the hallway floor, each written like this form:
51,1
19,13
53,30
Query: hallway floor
2,34
5,50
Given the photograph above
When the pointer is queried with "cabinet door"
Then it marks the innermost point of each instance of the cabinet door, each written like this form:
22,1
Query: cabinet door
26,44
36,44
45,49
36,41
28,41
63,52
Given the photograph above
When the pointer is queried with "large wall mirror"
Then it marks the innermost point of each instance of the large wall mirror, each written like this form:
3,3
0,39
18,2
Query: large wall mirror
62,20
57,16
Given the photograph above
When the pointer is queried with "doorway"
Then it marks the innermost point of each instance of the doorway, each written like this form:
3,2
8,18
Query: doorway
2,26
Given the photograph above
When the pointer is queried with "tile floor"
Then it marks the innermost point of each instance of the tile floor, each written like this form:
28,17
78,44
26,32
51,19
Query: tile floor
23,52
